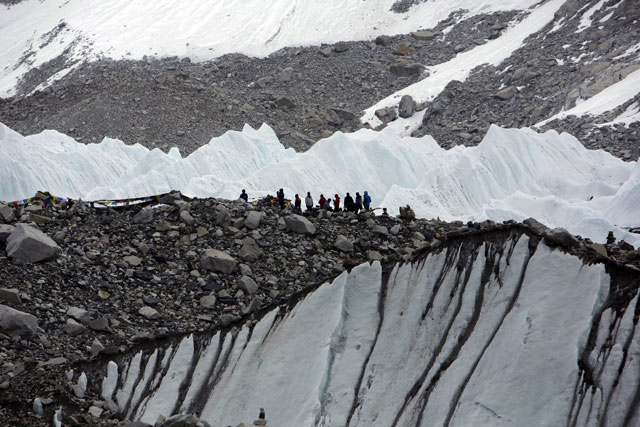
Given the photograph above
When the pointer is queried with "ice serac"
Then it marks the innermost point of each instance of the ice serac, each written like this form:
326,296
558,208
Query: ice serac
500,331
513,174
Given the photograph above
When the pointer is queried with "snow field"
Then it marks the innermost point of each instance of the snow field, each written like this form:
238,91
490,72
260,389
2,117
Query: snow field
512,174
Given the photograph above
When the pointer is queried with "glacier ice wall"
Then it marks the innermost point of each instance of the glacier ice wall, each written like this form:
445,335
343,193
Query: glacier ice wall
502,332
512,174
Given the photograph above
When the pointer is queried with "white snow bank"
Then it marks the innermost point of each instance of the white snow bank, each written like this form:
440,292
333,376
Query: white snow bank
202,29
604,101
512,174
493,53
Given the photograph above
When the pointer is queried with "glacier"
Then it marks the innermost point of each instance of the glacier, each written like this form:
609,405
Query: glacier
500,331
511,174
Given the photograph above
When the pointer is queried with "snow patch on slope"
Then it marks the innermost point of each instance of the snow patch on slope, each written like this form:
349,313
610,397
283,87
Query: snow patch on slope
512,174
492,53
202,29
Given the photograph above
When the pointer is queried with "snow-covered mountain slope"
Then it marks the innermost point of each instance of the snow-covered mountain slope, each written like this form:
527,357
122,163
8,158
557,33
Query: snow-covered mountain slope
504,332
34,32
512,174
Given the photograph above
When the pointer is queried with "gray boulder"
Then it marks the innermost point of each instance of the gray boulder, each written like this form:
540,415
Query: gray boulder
223,217
16,323
149,313
380,230
423,35
250,250
343,244
560,237
253,219
145,216
11,296
5,232
216,260
383,40
406,107
406,69
536,226
79,314
386,114
28,244
74,328
248,285
506,93
208,301
184,420
7,213
186,217
300,224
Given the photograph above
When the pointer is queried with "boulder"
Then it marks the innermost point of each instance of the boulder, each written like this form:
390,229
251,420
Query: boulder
79,314
253,219
340,47
74,328
383,40
10,296
223,217
343,244
284,102
145,216
216,260
149,313
208,301
186,217
395,229
536,226
560,237
506,93
424,35
300,224
406,69
406,107
28,244
248,285
7,213
16,323
386,114
250,250
184,420
380,230
5,232
599,249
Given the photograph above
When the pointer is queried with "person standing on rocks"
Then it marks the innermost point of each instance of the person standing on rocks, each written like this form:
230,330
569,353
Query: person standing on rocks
244,196
322,201
348,203
308,201
298,204
366,200
281,198
358,204
327,205
336,203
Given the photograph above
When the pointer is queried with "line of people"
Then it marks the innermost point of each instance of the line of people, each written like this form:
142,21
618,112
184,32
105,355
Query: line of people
360,203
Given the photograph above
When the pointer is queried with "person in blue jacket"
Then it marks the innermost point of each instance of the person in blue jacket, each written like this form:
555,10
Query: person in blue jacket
366,201
358,204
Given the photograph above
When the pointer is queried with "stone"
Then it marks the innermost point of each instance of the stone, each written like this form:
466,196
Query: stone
216,260
340,47
132,260
7,213
406,107
16,323
96,347
223,217
300,224
536,226
101,325
253,219
343,244
599,249
186,217
5,232
245,270
208,301
380,230
395,229
95,411
254,306
326,52
387,114
373,255
39,219
149,313
248,285
383,40
403,49
28,244
406,69
506,93
284,102
184,420
145,216
423,35
10,296
78,391
74,328
560,237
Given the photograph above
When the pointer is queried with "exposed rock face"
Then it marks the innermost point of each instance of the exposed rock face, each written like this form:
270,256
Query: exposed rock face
16,323
300,224
28,244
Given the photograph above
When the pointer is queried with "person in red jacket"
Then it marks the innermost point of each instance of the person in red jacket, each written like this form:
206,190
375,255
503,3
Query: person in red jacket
322,201
336,203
